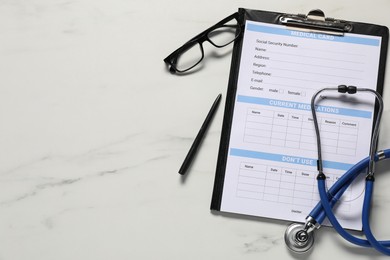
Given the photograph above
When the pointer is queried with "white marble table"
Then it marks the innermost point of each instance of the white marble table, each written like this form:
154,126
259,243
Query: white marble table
94,129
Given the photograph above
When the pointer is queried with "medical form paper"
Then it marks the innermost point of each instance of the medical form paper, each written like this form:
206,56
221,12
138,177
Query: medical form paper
272,158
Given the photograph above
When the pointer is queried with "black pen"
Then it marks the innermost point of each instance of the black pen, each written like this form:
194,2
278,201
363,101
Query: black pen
199,137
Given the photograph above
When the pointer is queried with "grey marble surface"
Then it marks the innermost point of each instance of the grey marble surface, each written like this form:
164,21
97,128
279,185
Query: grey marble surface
93,131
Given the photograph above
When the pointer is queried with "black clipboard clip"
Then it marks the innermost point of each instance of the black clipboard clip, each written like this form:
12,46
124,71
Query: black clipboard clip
315,21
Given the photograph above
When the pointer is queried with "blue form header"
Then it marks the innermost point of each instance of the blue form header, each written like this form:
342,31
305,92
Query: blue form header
288,159
304,106
311,35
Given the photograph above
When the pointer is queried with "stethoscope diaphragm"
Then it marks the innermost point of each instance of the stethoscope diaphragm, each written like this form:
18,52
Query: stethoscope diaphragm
298,239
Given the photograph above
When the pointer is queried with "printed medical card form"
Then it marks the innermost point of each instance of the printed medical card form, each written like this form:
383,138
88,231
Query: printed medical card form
271,166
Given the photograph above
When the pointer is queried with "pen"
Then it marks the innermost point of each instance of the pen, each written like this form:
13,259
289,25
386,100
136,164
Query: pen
198,139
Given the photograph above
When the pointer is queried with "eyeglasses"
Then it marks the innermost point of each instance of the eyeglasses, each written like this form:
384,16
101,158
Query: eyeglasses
191,53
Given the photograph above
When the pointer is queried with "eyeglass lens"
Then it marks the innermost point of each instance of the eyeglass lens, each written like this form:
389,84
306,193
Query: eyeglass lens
190,57
223,35
193,54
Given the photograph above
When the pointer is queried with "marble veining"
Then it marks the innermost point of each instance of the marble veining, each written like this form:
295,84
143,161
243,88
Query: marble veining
262,243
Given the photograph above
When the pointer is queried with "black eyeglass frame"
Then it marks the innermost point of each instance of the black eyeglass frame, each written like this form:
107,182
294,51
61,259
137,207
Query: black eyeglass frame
199,39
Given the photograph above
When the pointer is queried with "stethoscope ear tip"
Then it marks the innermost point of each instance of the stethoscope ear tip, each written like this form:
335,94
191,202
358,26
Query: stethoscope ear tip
297,239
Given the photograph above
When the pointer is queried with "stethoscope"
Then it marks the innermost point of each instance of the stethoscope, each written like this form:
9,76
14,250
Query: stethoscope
300,237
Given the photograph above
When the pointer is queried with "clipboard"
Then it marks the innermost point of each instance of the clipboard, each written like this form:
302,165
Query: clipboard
276,65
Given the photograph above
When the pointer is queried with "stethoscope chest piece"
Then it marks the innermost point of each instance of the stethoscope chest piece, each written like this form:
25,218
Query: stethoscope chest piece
297,239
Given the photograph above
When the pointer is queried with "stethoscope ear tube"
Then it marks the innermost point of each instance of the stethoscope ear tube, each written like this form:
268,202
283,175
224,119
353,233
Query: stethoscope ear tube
337,190
332,219
380,246
371,241
334,194
329,198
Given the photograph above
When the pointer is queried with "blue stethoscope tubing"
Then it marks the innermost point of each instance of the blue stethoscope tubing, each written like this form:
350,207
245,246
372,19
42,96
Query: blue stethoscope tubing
329,198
